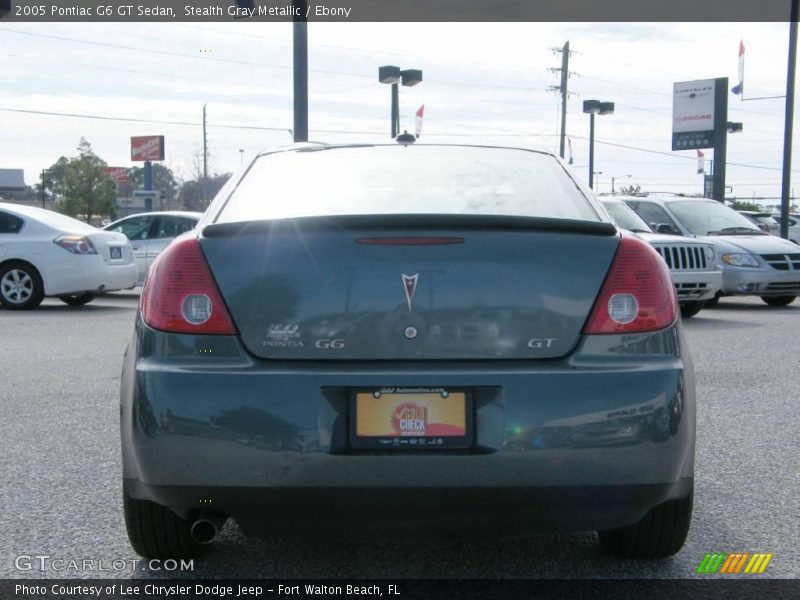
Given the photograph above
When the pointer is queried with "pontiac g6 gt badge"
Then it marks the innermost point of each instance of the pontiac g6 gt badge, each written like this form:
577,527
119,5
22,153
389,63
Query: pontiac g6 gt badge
410,286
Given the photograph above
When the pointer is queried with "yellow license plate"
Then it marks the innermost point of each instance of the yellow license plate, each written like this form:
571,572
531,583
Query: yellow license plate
411,418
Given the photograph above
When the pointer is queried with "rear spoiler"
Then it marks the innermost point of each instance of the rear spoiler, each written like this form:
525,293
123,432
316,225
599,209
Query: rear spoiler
406,222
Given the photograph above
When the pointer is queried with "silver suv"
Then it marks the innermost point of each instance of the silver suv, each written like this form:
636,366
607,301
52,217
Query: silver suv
753,263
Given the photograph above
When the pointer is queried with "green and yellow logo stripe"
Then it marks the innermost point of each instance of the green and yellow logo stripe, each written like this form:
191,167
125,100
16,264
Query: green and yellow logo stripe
736,563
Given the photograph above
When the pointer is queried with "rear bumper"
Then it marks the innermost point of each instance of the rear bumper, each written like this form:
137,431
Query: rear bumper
89,273
412,513
589,442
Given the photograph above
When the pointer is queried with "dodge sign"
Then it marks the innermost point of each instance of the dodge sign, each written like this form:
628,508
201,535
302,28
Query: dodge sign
693,115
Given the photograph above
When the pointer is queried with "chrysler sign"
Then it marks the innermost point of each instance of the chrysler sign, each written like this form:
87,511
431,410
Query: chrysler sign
147,147
693,115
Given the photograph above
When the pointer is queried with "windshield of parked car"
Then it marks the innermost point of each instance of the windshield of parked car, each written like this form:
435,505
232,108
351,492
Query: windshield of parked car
625,217
410,180
708,217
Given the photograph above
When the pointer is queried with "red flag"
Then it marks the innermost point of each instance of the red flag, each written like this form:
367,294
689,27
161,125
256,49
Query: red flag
739,88
420,112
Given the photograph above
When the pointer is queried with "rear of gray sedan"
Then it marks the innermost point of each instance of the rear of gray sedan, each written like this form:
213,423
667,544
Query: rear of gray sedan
407,341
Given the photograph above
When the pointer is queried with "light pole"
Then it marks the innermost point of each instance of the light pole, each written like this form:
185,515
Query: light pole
592,108
597,181
393,75
241,156
613,177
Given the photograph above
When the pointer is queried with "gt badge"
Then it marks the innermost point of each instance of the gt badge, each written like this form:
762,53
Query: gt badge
410,286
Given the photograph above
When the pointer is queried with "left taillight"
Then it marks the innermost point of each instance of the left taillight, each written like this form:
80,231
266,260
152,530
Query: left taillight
76,244
181,296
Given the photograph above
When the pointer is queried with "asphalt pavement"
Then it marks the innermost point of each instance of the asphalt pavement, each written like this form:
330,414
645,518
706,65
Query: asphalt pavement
60,463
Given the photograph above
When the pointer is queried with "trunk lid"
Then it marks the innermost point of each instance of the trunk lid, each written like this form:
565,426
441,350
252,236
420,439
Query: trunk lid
455,288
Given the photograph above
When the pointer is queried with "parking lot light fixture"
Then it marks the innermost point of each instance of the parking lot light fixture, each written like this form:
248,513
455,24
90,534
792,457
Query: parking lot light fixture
394,76
592,108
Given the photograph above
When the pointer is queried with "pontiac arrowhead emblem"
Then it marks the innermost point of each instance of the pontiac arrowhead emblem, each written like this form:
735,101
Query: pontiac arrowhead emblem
410,286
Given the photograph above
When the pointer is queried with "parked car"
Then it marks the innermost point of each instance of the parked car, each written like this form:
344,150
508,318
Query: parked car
151,232
753,262
762,220
293,365
794,226
44,253
692,263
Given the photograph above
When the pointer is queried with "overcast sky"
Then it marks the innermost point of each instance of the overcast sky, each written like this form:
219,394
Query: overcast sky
482,82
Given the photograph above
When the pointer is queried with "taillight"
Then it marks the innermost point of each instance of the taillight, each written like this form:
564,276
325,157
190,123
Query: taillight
637,294
76,244
180,296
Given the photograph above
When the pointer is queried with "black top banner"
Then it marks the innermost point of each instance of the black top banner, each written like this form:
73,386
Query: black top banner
395,10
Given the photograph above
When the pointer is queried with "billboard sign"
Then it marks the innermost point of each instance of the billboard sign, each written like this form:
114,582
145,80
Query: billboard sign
147,147
118,174
693,114
12,180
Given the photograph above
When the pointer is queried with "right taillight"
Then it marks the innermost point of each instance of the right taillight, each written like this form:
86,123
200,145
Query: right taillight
637,294
181,296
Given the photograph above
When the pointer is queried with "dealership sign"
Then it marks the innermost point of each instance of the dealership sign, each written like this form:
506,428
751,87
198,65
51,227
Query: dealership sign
118,174
693,115
147,147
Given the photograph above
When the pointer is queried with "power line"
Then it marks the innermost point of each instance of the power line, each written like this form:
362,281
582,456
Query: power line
353,132
255,64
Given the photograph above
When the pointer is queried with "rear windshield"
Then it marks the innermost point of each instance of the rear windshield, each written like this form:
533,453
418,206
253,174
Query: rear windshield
400,179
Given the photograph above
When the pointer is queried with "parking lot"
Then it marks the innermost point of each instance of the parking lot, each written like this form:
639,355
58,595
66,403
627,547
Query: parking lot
61,491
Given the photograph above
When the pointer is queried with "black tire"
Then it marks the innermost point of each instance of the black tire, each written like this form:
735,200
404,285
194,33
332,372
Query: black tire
778,300
21,286
659,534
690,309
77,299
155,531
712,302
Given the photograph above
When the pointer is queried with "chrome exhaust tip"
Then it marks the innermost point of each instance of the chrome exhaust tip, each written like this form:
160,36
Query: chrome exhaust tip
206,527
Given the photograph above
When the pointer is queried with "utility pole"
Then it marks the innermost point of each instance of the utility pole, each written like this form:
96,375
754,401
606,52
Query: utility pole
205,158
562,89
789,120
300,60
43,172
720,136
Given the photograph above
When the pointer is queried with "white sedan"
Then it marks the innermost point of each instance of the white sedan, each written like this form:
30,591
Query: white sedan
44,253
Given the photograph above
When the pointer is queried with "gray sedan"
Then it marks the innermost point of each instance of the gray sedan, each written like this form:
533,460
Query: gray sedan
400,340
151,232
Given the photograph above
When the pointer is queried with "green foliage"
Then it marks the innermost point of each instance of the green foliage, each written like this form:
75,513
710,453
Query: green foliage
82,186
744,205
163,181
195,196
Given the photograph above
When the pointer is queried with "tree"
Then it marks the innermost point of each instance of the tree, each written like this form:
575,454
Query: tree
83,185
744,205
163,181
193,196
